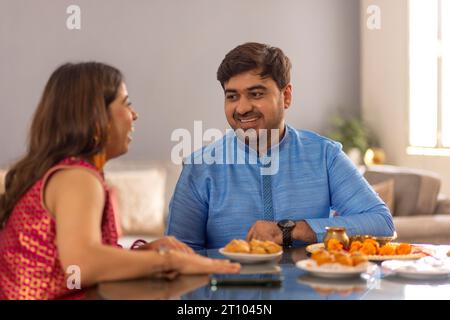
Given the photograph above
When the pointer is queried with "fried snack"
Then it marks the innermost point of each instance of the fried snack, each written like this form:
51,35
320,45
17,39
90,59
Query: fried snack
369,248
271,247
355,246
237,246
255,246
343,258
358,258
263,247
334,245
403,248
257,250
448,254
322,257
387,250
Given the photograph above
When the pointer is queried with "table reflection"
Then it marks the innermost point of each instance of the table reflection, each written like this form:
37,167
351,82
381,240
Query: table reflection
296,285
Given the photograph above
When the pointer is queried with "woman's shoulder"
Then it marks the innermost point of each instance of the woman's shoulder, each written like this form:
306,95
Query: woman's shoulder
73,182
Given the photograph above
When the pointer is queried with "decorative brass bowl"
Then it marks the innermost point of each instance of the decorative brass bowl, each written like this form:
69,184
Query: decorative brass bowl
337,233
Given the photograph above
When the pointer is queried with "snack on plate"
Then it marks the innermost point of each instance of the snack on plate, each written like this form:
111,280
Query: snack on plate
334,245
323,256
355,246
255,246
387,250
271,247
343,258
371,247
237,246
358,258
403,248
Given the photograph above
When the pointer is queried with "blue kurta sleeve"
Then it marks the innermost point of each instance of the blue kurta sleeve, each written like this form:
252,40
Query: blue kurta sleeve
358,208
188,211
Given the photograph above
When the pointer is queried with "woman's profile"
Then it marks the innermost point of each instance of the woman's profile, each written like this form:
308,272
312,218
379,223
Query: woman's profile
56,212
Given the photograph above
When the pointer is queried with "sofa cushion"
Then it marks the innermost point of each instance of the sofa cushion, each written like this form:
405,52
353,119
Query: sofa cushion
140,200
385,191
423,229
415,191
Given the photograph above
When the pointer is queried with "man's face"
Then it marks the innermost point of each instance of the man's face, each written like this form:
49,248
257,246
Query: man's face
252,102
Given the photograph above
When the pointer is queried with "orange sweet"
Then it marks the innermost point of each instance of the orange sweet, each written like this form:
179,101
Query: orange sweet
343,258
334,245
369,248
387,250
355,246
404,248
374,242
322,257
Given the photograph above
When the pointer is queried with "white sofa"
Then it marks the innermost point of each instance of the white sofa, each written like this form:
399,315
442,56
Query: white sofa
143,191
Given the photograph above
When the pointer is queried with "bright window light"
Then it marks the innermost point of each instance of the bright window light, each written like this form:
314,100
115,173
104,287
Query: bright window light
445,74
423,73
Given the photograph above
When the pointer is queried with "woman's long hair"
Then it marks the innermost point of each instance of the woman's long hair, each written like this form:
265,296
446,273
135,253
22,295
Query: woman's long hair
71,120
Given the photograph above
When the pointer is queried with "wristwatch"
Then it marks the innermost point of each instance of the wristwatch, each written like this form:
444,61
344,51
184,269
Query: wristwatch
286,227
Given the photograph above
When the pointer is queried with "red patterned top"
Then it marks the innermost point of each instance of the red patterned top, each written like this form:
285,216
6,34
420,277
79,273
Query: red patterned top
29,262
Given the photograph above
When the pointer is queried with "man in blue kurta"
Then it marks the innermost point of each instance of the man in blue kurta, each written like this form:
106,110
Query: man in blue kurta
286,188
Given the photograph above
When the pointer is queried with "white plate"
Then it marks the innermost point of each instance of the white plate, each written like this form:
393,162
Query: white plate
425,268
417,253
333,270
251,257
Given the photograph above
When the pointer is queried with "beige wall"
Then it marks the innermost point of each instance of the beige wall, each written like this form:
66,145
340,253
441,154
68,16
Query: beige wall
169,51
384,86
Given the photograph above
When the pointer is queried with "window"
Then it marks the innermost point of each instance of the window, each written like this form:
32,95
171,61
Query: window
429,77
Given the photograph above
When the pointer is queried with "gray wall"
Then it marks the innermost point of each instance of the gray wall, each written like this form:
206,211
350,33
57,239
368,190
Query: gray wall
169,52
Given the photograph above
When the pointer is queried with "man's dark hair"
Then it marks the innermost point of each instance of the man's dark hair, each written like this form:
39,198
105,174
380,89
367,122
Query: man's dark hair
252,55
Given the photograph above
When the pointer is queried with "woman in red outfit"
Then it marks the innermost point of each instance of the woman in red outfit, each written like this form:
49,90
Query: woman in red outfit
56,217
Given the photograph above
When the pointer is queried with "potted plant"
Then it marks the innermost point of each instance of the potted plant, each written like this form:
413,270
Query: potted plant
354,135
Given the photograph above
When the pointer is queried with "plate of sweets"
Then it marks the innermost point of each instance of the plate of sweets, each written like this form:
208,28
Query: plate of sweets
336,264
376,249
255,251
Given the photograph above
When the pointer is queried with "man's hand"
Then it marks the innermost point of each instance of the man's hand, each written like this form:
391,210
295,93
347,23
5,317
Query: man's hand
167,242
265,230
269,230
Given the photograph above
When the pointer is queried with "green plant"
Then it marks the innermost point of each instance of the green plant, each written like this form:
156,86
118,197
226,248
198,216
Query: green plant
352,133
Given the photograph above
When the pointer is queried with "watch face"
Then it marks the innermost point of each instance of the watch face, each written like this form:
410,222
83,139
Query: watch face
286,223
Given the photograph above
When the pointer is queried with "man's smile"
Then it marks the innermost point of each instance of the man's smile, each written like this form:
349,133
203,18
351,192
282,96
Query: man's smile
248,120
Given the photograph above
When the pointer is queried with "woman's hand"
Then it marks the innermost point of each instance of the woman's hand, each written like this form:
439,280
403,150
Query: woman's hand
167,243
184,263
